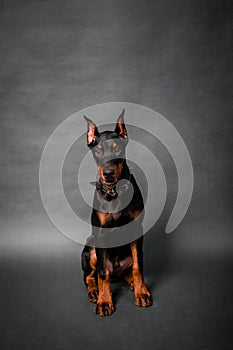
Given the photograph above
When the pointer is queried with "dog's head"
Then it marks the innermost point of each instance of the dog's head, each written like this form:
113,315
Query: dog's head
108,149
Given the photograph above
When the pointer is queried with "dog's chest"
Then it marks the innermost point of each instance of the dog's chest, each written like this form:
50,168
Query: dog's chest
110,212
111,219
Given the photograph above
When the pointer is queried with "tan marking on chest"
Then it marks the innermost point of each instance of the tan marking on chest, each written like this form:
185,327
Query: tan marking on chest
135,214
104,217
107,217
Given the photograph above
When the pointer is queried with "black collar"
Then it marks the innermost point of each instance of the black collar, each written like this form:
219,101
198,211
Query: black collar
110,191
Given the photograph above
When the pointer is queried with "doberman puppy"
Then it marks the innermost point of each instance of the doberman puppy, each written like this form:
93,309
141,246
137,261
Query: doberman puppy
101,262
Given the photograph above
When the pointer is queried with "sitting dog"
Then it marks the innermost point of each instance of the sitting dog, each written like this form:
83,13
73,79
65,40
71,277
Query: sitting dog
101,262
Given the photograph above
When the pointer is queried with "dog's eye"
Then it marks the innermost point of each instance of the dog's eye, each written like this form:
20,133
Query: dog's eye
98,152
117,150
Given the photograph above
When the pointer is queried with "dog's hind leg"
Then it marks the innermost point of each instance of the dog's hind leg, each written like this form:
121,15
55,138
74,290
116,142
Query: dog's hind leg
89,261
128,277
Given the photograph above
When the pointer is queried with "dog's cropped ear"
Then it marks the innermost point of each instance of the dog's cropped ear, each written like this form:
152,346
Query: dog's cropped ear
92,131
120,126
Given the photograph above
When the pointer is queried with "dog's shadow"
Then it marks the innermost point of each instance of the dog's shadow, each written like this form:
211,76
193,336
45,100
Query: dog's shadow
157,260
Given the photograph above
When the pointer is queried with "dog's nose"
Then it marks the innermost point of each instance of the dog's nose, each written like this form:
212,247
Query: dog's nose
108,173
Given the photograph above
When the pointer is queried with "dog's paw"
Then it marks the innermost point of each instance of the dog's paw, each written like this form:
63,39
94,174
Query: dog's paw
104,309
143,300
93,295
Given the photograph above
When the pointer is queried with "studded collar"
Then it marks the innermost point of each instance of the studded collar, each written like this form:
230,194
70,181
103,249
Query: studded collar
110,191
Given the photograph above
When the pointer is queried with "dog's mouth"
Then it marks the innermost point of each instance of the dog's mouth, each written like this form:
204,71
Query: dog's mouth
109,182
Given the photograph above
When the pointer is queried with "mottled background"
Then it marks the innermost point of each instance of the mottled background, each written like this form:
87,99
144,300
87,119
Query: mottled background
58,57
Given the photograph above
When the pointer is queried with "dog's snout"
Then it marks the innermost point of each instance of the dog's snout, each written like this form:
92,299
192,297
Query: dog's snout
108,173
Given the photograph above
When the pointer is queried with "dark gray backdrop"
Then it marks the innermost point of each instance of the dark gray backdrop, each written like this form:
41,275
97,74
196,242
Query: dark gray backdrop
58,57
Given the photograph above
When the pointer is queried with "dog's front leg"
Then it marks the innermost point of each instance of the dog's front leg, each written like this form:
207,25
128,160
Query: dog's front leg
141,293
104,305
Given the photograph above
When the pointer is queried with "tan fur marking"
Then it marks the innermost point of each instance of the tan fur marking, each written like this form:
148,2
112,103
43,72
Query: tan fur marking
141,293
104,289
104,217
136,214
100,170
104,305
129,279
121,128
